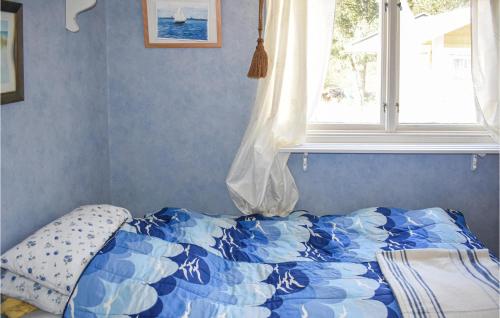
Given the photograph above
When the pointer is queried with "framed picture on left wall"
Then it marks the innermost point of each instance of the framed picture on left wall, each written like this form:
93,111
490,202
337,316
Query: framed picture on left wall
11,55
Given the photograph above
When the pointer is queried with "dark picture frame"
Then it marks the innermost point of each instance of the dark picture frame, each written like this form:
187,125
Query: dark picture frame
17,52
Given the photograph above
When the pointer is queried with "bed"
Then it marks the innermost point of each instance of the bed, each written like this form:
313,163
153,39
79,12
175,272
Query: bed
180,263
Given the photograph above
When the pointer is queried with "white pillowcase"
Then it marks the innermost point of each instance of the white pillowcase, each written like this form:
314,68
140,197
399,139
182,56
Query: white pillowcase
24,289
57,254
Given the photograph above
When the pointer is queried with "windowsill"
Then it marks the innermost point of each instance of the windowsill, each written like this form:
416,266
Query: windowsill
416,148
445,142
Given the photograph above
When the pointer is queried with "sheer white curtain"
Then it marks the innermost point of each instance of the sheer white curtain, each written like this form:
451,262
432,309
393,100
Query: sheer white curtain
298,35
485,61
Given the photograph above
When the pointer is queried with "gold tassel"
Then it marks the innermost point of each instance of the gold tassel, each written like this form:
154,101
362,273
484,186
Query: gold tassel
258,68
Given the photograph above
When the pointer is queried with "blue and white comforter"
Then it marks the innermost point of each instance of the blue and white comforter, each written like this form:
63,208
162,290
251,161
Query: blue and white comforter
177,263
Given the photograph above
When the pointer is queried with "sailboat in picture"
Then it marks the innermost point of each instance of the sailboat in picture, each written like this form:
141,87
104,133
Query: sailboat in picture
179,16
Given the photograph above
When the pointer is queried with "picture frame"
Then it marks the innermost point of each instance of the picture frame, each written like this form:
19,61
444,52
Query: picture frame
182,23
11,36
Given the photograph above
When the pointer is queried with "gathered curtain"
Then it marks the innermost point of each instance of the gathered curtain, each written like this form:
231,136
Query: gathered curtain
485,31
298,36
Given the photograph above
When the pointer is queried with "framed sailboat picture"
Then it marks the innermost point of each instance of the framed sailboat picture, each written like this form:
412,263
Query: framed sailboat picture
182,23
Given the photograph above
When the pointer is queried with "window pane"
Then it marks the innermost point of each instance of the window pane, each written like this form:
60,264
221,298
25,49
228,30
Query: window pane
352,87
435,62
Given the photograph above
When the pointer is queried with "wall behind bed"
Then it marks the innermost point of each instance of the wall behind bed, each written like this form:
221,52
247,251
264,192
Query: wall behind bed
177,117
54,144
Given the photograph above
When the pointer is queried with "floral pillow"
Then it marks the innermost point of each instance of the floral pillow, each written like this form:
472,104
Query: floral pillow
34,293
57,254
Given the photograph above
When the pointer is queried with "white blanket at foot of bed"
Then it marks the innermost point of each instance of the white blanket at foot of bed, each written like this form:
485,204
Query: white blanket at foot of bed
443,283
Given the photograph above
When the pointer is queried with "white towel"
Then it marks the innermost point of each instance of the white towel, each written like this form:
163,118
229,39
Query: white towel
439,283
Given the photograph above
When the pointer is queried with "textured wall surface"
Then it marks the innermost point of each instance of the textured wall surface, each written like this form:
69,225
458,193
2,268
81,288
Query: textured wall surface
54,144
177,117
343,183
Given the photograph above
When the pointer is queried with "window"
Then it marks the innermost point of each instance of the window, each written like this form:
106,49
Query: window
353,84
435,71
399,71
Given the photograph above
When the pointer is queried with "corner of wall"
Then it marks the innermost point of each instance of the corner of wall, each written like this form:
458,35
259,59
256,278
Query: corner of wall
108,103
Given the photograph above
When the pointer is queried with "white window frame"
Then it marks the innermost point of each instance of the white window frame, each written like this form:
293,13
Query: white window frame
389,136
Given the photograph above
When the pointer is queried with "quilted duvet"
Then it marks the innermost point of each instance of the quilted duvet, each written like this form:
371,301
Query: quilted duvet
178,263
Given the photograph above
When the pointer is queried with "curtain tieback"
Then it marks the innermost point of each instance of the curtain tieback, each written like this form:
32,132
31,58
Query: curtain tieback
258,68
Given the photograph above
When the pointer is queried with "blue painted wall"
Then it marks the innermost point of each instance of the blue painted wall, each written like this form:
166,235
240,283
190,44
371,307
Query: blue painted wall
177,117
54,144
348,182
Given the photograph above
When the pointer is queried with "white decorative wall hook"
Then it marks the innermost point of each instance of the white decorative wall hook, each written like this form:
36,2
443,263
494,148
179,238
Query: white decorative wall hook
474,161
73,8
